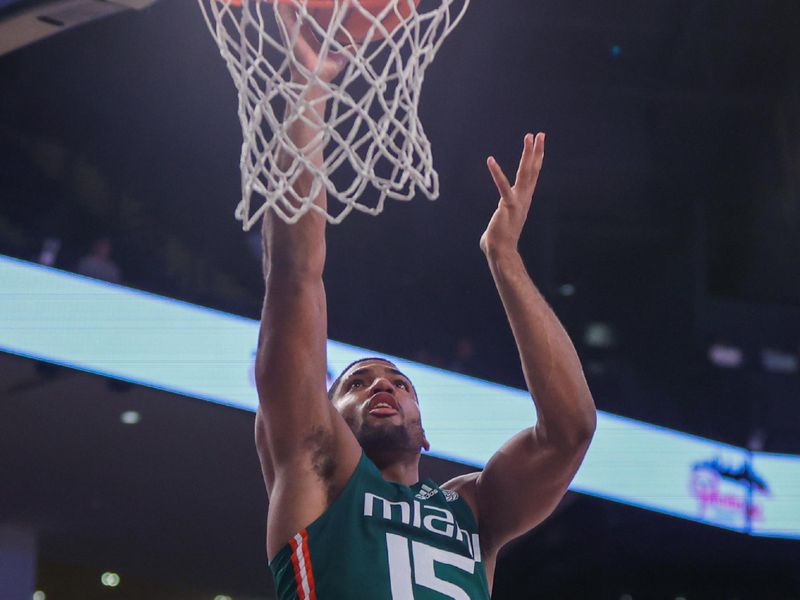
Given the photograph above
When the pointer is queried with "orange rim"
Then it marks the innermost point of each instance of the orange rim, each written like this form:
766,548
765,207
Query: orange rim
314,3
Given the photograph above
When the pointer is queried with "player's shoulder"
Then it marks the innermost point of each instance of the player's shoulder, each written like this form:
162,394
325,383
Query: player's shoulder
466,487
466,480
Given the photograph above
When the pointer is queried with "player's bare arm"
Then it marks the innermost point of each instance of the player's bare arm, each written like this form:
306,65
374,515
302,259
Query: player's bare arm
307,451
524,481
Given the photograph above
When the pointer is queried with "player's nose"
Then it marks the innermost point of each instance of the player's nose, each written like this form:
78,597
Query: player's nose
381,384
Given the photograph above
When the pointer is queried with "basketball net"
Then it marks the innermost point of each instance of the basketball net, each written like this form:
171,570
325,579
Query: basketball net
372,135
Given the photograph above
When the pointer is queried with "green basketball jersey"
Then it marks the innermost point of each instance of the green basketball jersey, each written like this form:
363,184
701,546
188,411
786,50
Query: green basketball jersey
381,540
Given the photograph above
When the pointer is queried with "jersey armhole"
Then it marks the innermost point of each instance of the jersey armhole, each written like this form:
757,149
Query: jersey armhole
465,487
283,555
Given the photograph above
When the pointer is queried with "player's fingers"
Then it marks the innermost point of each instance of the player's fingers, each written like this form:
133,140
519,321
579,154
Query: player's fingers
286,20
339,59
287,17
289,27
304,46
529,173
500,179
538,151
294,34
307,35
526,160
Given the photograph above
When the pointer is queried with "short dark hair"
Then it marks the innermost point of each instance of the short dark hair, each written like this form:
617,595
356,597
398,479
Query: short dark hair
335,385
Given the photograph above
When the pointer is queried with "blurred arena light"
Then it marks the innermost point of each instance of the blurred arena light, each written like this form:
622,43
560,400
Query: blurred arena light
39,595
600,335
110,579
130,417
757,440
778,361
596,367
222,597
567,289
725,356
49,252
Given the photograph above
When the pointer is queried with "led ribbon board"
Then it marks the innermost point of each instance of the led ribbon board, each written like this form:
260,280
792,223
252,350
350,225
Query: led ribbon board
93,326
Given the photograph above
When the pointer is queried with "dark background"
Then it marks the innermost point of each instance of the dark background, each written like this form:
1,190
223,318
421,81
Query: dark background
669,201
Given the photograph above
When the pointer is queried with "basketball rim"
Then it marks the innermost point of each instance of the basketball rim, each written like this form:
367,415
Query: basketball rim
315,3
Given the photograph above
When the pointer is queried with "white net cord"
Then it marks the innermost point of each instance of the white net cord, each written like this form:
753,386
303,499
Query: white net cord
371,136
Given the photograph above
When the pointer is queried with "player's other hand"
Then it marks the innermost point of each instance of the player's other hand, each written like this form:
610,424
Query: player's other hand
306,48
505,227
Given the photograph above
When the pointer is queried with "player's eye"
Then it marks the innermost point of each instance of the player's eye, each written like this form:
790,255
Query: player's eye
401,384
354,383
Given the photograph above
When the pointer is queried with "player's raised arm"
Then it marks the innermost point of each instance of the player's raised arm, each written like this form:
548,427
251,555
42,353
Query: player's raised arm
524,481
305,447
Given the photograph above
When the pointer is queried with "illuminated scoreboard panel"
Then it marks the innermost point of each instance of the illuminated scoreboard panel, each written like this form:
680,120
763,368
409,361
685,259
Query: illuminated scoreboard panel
71,320
780,516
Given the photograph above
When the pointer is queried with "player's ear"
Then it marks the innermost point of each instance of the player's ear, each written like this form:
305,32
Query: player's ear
426,445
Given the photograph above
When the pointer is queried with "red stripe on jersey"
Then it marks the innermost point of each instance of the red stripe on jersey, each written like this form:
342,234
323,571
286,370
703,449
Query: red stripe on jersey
309,570
298,578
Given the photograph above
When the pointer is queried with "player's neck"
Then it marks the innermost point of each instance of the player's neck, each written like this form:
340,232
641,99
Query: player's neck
403,470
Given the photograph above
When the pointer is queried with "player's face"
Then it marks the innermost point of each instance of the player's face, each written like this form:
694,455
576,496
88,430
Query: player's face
380,405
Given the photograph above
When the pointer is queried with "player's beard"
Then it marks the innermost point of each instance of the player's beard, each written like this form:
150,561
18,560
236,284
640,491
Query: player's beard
387,438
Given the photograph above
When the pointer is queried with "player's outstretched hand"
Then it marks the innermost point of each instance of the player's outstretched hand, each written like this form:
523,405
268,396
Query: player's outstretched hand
502,233
306,48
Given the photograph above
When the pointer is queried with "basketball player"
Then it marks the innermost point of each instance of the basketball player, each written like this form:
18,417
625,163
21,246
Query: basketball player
348,516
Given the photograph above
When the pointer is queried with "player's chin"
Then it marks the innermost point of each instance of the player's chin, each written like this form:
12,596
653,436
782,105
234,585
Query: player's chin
382,425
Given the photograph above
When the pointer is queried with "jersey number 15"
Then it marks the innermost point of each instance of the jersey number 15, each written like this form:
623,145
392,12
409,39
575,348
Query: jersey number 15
425,556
